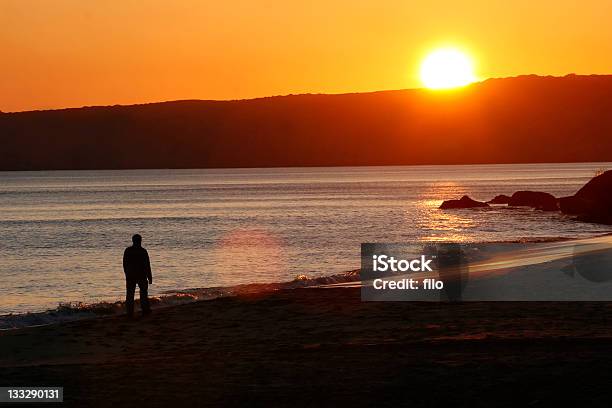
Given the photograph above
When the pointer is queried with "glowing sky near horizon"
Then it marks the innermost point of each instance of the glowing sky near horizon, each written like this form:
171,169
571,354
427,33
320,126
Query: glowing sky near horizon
67,53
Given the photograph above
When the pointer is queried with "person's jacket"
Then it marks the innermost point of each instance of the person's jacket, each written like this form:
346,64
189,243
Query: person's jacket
136,265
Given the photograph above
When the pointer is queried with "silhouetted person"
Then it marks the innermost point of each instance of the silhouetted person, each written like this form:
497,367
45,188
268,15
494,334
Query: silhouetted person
452,270
137,270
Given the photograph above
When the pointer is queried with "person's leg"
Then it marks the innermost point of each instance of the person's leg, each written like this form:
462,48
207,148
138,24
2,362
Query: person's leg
130,288
143,285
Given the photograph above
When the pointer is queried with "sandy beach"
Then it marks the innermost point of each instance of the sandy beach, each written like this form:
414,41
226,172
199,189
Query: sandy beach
323,347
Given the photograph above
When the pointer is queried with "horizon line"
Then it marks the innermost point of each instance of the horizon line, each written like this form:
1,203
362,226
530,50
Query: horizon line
543,163
482,81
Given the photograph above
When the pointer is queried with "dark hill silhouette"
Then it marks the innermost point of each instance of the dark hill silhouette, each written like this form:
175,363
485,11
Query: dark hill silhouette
510,120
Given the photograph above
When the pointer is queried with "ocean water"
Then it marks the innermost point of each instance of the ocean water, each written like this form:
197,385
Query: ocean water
63,232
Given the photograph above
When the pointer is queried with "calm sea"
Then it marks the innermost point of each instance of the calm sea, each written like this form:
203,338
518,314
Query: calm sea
63,232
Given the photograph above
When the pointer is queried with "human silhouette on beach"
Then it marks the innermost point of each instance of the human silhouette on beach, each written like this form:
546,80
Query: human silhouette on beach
137,269
452,270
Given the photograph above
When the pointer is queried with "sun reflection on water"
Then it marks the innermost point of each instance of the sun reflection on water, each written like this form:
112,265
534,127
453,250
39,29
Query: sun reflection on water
443,226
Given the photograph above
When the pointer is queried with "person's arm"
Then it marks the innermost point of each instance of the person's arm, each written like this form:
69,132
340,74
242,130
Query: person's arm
125,261
148,267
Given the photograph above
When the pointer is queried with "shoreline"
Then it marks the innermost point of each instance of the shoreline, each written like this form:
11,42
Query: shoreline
76,311
72,311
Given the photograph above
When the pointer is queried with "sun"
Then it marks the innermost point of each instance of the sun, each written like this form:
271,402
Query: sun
447,68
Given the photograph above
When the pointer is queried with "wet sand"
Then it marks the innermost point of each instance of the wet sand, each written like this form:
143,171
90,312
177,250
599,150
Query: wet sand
323,347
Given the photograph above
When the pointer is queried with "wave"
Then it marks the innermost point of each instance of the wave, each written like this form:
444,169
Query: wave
72,311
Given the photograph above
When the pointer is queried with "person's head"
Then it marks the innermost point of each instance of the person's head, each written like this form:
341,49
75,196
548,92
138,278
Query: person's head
137,239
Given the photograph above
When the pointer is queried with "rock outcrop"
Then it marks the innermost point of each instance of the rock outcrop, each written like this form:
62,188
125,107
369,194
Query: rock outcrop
593,202
463,202
535,199
500,199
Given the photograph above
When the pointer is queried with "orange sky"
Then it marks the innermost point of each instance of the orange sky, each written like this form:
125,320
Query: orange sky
66,53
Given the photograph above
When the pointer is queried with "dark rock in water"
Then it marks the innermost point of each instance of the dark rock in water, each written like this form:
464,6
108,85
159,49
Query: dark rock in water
535,199
464,202
500,199
593,202
573,205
